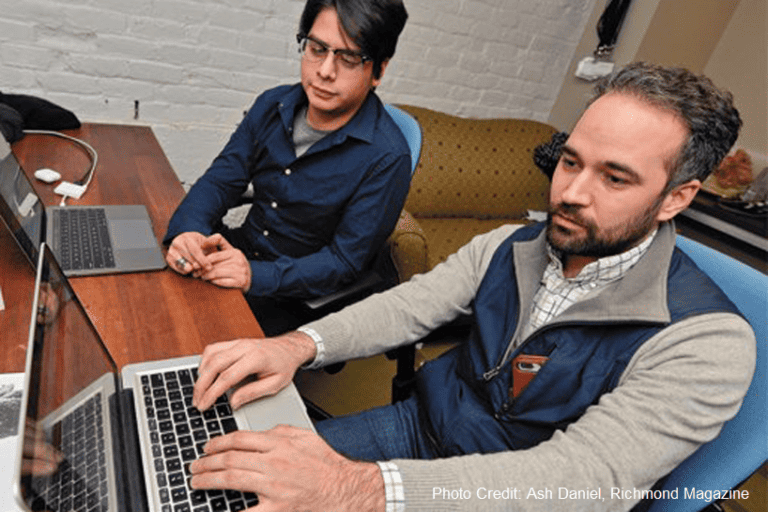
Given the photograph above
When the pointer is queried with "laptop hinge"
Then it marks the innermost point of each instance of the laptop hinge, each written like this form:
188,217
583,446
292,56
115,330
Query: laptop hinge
132,494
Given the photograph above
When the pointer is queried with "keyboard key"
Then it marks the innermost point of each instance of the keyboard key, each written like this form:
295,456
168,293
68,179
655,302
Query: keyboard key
228,425
188,454
251,500
223,410
176,479
198,497
178,494
218,504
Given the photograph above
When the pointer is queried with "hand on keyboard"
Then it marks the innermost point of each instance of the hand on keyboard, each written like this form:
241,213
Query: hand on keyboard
273,361
289,469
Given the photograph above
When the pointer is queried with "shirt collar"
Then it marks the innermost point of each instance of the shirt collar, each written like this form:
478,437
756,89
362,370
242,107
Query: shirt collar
603,270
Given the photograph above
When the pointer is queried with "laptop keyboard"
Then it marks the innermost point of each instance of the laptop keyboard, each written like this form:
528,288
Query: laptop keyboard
80,483
178,433
83,238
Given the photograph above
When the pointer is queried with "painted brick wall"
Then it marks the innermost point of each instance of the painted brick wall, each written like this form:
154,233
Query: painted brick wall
194,66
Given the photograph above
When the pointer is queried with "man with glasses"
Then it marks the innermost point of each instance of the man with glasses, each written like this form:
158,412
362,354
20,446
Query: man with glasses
330,172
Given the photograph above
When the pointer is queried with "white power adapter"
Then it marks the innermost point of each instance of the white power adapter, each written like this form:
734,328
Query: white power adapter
67,189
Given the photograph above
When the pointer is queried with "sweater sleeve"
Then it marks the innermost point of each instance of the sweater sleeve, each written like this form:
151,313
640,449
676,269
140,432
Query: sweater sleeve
674,396
408,312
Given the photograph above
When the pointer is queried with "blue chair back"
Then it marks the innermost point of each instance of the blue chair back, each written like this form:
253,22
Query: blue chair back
742,446
411,131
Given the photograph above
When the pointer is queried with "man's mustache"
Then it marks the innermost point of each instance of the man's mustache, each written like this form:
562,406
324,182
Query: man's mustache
570,212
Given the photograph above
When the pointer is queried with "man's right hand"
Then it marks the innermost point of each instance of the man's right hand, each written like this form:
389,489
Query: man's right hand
188,246
273,361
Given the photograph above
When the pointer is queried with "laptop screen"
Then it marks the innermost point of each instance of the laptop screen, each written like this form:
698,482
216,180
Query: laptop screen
70,380
20,206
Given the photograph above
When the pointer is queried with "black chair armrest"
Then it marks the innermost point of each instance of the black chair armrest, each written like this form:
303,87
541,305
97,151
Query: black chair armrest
363,286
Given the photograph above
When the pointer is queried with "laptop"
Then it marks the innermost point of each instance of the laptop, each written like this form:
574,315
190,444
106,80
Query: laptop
86,240
97,440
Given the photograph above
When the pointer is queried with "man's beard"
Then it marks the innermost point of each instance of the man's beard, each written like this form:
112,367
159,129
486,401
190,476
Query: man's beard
593,243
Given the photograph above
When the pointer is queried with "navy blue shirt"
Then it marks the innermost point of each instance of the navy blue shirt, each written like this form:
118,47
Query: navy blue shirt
318,220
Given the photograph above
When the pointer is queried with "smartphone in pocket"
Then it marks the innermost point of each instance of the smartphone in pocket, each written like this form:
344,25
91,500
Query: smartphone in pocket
524,368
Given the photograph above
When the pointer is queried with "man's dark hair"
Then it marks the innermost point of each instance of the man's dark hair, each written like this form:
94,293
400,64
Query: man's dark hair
374,25
709,113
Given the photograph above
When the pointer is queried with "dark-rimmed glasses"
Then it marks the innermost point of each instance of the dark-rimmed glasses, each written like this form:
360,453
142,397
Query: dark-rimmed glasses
316,51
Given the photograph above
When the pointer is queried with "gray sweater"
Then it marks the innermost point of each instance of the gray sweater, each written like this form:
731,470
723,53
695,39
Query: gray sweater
675,394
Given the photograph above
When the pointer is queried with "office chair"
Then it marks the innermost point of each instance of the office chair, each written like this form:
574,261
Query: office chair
411,131
742,446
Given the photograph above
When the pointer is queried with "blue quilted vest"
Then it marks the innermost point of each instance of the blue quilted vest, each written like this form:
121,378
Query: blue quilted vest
465,391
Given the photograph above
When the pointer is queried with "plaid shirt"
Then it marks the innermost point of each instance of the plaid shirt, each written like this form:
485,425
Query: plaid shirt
557,292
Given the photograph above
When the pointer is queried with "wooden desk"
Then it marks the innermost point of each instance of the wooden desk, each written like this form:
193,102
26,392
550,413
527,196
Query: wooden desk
140,316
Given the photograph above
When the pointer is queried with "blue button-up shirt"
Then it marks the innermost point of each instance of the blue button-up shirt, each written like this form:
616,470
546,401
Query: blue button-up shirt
317,220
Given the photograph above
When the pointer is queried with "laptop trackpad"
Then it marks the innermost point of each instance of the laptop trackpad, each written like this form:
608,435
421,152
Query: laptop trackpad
131,234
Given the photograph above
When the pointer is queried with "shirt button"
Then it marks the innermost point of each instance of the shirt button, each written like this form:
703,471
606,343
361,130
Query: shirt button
287,172
274,205
265,232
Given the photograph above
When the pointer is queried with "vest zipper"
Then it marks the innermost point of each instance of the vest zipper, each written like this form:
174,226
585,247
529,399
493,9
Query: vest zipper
493,372
490,374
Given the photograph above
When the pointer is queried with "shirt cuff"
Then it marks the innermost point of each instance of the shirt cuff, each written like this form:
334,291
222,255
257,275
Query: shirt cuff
319,345
393,487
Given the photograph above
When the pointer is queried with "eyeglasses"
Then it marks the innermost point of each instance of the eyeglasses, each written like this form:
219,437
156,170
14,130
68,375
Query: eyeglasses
315,51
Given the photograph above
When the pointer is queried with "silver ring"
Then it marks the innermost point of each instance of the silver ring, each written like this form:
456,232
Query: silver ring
181,262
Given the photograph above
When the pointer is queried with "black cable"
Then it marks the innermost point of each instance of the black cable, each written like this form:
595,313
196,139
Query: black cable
609,26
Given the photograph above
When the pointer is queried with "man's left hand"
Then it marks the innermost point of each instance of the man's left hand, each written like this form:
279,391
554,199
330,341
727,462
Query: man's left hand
231,269
289,469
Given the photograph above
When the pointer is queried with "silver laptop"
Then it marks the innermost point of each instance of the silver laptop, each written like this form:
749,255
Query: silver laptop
97,440
86,240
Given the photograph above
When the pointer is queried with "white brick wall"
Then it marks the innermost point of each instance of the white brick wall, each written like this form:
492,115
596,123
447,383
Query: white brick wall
195,66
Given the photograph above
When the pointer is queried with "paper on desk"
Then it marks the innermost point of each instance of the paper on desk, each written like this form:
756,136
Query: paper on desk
11,385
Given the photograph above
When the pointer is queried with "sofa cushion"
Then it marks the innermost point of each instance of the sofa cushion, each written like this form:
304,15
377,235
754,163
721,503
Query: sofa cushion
477,167
447,235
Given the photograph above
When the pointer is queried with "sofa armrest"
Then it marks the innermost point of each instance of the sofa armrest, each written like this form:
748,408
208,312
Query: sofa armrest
408,248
